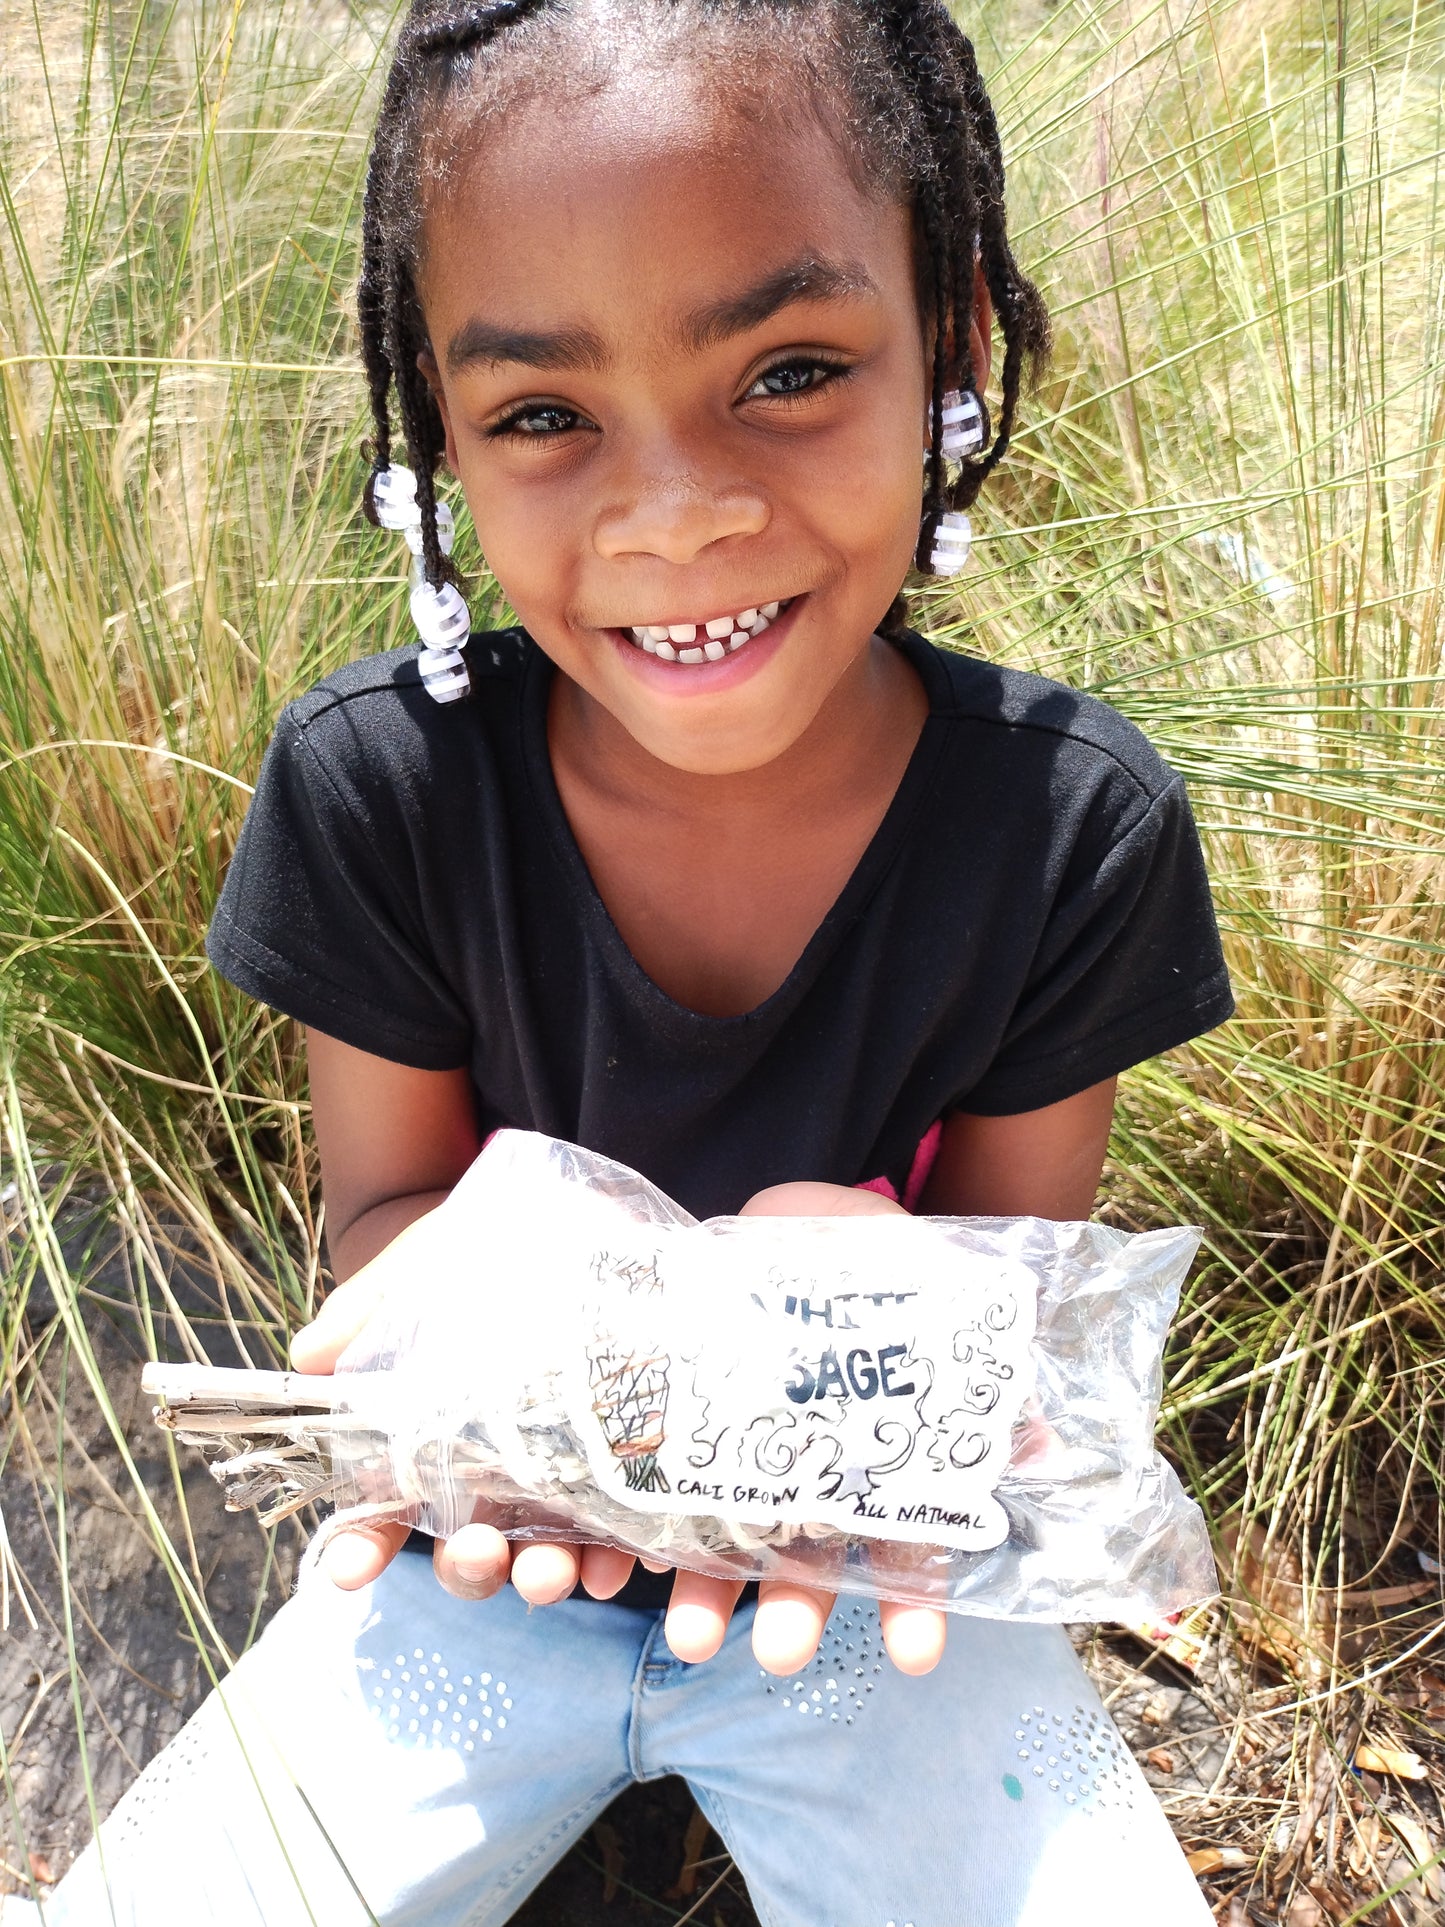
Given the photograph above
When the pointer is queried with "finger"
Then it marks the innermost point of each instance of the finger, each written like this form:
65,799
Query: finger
605,1571
653,1565
362,1553
913,1635
807,1198
473,1563
698,1614
317,1346
543,1574
347,1307
788,1624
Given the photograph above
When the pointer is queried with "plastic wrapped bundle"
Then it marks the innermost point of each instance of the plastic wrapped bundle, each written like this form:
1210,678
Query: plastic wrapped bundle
957,1412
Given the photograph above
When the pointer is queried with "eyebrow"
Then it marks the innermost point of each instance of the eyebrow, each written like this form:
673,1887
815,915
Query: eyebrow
807,280
567,349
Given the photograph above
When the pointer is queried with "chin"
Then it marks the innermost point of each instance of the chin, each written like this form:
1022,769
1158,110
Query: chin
711,757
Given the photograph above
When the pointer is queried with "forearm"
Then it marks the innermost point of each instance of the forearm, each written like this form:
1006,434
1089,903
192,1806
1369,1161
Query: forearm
360,1241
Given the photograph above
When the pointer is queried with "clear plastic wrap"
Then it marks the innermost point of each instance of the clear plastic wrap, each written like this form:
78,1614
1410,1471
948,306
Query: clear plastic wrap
953,1411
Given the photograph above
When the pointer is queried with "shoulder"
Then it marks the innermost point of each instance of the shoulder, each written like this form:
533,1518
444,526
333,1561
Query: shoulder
386,690
1024,724
372,723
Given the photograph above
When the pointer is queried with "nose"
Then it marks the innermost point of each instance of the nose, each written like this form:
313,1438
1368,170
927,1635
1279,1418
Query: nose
671,510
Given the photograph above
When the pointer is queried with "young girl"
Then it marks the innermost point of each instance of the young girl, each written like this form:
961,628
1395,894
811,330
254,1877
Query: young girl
720,871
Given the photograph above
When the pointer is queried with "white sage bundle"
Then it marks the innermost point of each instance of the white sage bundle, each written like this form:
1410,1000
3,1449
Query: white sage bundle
957,1412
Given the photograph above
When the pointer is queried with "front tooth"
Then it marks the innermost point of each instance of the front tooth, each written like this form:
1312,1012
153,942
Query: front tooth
770,609
720,626
657,635
714,650
682,632
691,655
738,641
757,627
746,619
667,652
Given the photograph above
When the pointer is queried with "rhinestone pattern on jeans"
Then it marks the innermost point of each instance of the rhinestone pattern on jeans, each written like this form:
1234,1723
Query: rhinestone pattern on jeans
1077,1755
836,1684
418,1699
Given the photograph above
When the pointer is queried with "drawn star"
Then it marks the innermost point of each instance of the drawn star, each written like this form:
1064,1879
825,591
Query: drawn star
857,1484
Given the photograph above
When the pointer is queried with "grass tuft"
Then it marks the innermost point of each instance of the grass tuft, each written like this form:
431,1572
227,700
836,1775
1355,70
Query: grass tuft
1225,515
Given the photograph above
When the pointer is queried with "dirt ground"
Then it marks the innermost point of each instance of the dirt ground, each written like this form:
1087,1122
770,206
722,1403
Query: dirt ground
1229,1777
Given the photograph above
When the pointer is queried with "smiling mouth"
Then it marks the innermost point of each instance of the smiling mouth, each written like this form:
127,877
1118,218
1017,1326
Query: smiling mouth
695,642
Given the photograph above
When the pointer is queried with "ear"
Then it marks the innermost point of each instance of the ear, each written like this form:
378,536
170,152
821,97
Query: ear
980,333
980,340
431,375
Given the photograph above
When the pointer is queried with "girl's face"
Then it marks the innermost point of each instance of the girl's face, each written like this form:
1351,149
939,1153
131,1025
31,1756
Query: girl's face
680,362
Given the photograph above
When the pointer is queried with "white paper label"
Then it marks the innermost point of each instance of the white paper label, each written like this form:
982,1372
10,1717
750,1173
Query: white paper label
875,1395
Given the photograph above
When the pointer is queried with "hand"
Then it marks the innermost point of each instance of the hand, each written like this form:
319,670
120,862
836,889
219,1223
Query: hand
790,1619
477,1560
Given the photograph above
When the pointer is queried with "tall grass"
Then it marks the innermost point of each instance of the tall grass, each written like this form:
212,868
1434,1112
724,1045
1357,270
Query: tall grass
1226,515
1229,520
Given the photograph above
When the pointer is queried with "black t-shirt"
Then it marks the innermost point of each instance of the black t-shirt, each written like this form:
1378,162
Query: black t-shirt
1031,916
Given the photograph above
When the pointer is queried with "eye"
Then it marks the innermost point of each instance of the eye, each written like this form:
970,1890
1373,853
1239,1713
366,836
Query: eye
798,375
537,421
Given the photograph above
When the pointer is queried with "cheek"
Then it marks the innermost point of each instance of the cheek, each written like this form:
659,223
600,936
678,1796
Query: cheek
875,492
524,537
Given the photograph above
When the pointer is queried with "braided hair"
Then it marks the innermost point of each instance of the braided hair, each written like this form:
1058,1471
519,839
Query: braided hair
908,101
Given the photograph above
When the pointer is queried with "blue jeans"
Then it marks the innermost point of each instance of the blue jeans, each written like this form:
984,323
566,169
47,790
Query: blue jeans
398,1756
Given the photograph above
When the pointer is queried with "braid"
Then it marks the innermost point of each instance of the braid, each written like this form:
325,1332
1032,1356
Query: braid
919,121
436,42
1017,302
960,170
460,29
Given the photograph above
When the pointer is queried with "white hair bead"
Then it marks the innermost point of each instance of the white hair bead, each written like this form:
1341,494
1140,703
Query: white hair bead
446,530
440,614
952,544
444,675
962,424
393,495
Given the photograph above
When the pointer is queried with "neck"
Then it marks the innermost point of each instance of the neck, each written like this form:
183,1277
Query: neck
873,711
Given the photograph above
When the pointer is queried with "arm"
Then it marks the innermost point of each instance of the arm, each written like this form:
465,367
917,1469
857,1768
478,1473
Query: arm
1037,1164
393,1141
1043,1164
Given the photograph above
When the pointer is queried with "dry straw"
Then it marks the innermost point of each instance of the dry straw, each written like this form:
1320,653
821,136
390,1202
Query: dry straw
1226,515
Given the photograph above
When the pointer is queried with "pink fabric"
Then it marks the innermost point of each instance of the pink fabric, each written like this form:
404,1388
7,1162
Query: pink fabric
924,1159
884,1186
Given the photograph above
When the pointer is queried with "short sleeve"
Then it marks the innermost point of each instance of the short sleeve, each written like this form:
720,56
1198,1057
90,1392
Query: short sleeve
319,916
1129,964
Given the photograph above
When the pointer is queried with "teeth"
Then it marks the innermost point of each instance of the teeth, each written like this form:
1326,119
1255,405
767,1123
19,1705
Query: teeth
722,636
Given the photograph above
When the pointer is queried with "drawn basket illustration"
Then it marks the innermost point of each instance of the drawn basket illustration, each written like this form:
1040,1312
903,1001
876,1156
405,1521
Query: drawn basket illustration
629,1397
